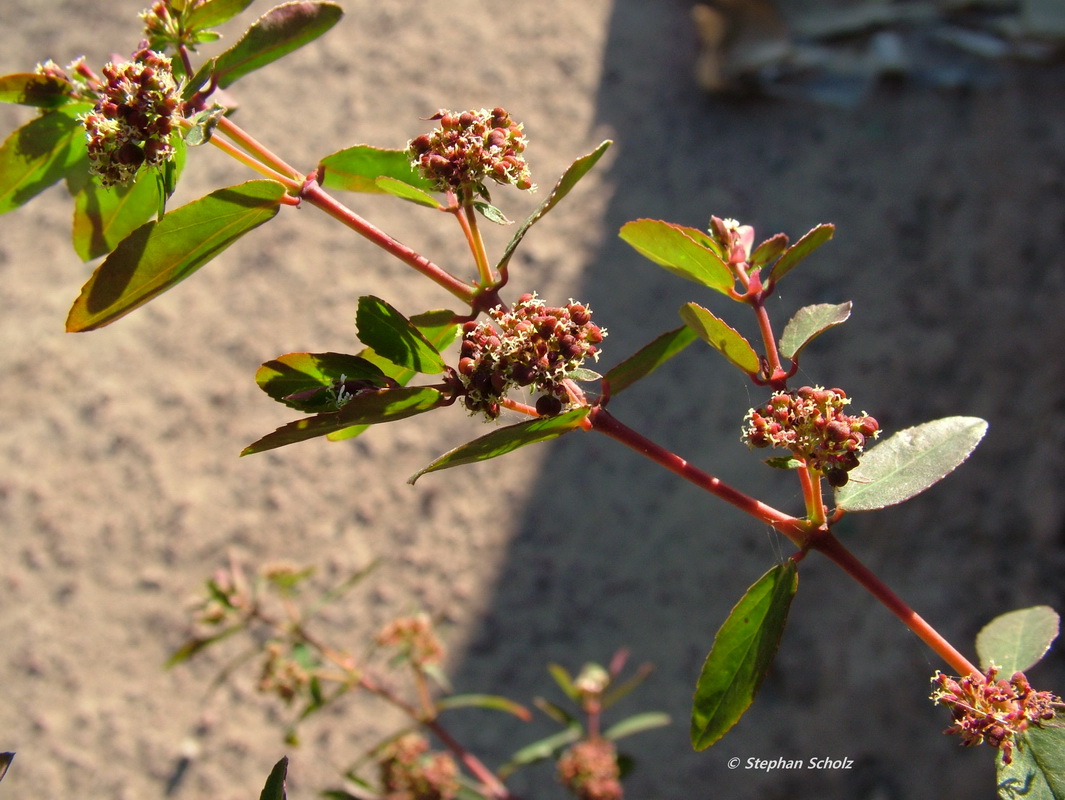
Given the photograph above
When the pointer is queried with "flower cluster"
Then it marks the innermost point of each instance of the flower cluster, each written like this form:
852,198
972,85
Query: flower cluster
416,637
812,424
131,123
590,770
993,711
76,80
470,147
409,771
532,345
283,673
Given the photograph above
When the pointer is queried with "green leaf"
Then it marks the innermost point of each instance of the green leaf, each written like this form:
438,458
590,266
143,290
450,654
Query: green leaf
783,462
723,338
5,763
909,462
104,216
197,81
160,254
671,247
368,408
405,191
564,680
800,250
541,750
31,89
195,645
275,784
308,381
649,358
768,251
810,322
506,440
577,170
277,33
492,702
40,153
395,337
1017,640
636,724
356,169
438,327
214,12
742,654
1037,771
203,124
491,213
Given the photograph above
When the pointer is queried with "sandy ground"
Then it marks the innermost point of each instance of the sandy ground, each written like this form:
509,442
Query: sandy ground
122,490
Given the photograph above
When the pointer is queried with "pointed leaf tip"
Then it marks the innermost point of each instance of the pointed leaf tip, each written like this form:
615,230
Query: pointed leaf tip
505,440
742,653
161,254
393,336
275,783
721,336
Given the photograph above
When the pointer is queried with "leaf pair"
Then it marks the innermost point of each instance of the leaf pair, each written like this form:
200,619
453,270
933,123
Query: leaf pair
696,256
349,392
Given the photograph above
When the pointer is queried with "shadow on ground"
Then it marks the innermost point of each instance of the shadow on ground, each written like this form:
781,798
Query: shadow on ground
950,224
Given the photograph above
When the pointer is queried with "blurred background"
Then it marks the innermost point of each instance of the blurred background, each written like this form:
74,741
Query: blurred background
932,135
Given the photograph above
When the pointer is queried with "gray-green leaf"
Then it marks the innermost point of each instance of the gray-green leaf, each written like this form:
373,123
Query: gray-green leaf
1018,639
909,462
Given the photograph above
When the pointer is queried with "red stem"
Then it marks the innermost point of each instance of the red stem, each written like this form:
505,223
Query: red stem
831,547
795,529
802,533
314,194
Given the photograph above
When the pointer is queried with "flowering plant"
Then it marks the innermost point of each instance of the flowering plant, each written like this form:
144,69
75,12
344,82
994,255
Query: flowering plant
122,141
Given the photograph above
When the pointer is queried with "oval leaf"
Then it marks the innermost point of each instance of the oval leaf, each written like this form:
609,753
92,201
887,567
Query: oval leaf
506,440
810,322
671,247
719,335
742,653
356,169
768,250
1037,771
308,381
577,170
160,254
1017,640
40,153
395,337
277,33
909,462
800,250
649,358
366,408
32,89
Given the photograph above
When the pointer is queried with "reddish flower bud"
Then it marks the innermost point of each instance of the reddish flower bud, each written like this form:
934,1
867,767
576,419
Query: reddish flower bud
548,405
